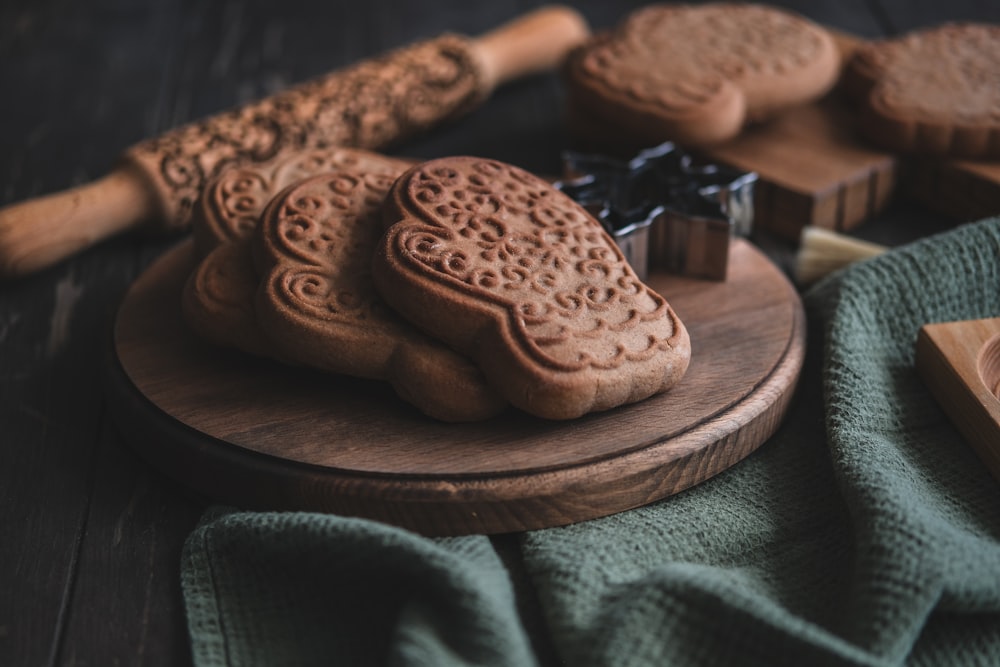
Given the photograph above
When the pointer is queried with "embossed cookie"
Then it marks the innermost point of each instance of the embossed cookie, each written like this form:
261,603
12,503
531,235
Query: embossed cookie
230,205
217,300
517,276
218,297
696,74
317,305
935,91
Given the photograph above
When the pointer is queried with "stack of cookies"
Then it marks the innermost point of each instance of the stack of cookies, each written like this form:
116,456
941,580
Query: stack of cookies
468,284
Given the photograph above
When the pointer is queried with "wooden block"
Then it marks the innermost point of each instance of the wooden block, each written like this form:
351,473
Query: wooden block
813,169
960,364
961,189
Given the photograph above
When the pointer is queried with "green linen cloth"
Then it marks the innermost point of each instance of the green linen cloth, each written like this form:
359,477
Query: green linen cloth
865,532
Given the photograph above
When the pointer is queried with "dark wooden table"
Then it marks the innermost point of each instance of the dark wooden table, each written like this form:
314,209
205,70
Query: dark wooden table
90,544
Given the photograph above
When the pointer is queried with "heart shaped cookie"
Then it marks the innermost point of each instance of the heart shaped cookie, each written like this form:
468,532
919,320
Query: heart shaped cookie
696,74
517,276
934,91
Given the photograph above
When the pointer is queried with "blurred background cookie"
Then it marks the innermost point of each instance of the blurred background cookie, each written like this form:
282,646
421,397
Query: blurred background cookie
933,91
218,296
697,74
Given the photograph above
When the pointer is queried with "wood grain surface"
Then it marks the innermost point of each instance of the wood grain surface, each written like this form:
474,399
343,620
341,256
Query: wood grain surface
961,189
89,553
813,169
960,364
265,435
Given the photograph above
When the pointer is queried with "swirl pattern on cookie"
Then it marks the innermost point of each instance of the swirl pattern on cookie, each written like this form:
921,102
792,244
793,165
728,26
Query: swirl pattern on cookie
517,276
369,104
317,302
231,205
218,297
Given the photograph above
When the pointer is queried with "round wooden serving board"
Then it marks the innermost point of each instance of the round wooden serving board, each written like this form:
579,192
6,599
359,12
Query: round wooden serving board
260,435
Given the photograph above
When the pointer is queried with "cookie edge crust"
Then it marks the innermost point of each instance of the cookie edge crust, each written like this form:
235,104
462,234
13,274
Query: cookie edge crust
484,329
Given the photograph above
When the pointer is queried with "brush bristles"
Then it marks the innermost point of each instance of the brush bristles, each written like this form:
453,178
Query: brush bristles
822,251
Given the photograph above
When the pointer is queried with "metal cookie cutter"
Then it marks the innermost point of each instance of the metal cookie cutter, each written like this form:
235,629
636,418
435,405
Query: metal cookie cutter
663,209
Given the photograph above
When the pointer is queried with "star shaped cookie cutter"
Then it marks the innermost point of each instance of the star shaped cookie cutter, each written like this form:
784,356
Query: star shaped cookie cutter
663,209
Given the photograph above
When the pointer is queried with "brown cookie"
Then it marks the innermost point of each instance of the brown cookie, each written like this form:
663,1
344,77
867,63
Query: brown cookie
231,204
696,74
218,297
317,305
935,91
517,276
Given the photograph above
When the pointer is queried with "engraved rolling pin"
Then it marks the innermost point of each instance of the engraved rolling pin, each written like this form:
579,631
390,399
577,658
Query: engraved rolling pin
370,105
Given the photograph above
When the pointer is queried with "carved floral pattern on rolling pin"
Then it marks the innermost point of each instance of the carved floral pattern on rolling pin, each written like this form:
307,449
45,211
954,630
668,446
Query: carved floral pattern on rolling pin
505,238
368,105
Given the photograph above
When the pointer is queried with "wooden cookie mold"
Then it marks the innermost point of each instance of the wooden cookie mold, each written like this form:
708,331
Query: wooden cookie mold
960,364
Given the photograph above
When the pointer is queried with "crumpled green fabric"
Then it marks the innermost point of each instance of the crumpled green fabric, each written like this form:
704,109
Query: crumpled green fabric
865,532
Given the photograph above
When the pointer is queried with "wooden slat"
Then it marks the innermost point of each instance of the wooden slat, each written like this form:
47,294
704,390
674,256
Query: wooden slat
79,97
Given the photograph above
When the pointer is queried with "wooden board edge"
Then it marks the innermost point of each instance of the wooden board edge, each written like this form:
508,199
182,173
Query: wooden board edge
225,473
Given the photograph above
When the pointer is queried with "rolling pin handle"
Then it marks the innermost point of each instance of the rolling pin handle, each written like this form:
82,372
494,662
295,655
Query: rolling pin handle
40,232
533,43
